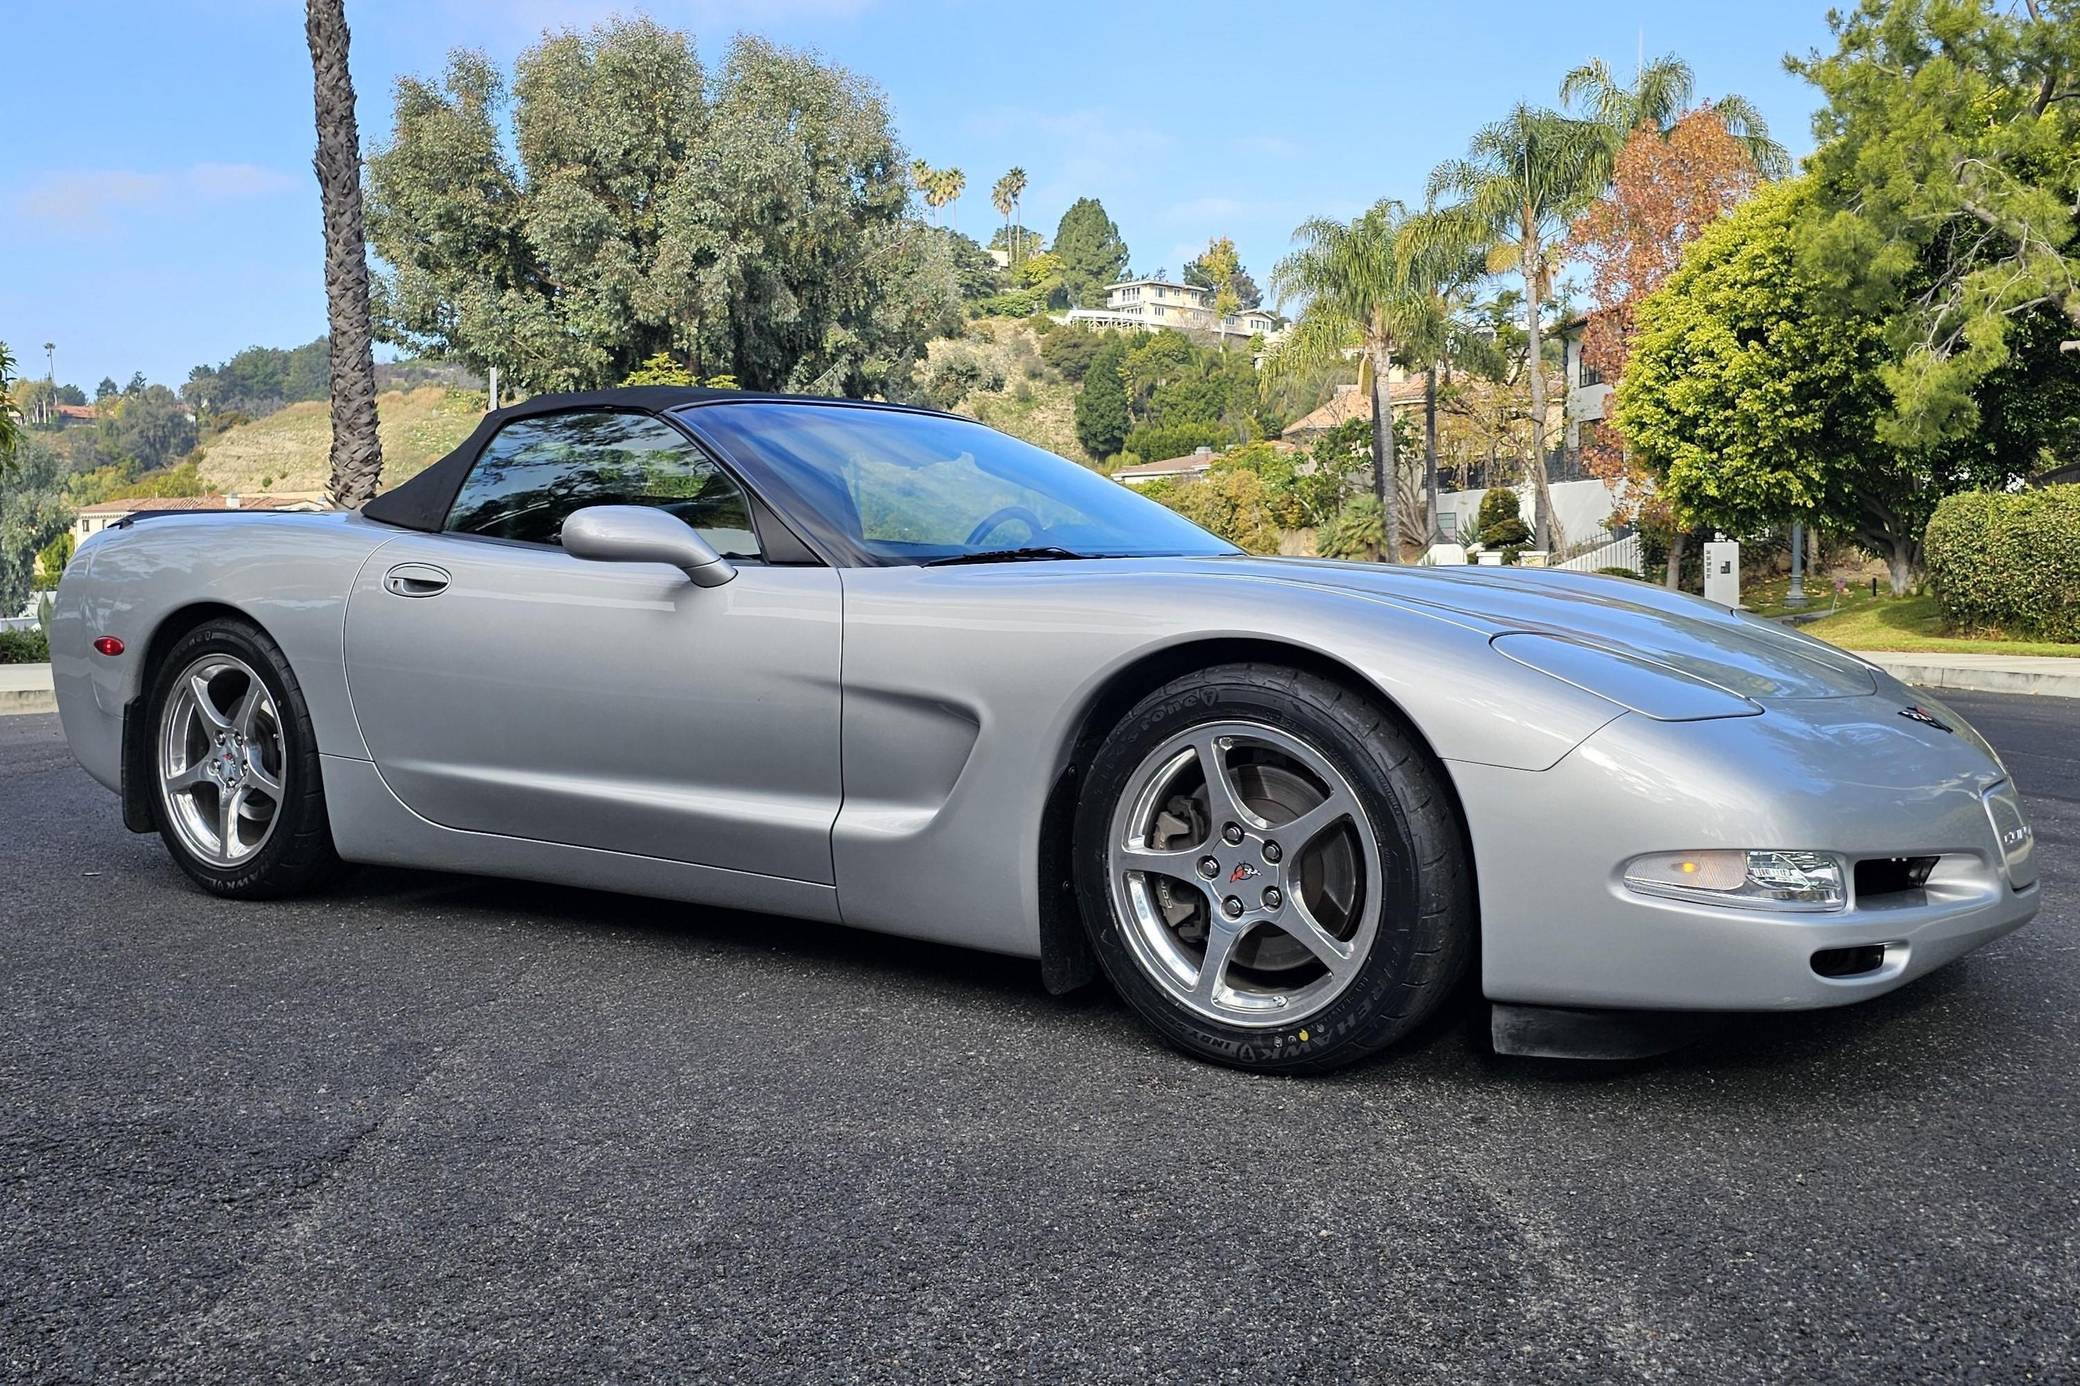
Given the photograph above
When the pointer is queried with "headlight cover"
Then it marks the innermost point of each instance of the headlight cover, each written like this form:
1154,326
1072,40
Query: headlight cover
1759,878
1644,686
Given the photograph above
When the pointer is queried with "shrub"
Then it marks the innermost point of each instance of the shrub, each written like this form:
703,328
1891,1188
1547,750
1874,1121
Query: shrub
1070,351
2008,562
24,647
1619,572
1018,303
957,374
1496,506
1158,442
1355,532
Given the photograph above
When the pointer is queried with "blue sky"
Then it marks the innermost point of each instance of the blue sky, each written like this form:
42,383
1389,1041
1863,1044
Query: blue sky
157,208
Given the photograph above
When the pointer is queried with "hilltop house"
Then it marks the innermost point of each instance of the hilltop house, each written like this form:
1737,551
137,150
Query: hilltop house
92,519
1152,304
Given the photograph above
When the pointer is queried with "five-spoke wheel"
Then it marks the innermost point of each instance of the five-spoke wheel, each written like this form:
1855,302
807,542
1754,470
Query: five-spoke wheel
1271,871
1242,867
221,768
233,765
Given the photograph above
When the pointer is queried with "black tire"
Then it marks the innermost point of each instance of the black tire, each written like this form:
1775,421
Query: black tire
1425,934
298,855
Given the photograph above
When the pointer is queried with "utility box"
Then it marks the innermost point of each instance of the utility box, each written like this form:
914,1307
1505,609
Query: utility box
1722,572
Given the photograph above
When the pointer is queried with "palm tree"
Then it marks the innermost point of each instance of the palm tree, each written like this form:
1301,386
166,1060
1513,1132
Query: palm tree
1450,273
10,429
1360,284
1659,96
1015,183
357,455
1523,179
1000,198
948,185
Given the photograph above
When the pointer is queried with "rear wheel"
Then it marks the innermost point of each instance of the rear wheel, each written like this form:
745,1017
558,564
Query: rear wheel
1271,873
237,794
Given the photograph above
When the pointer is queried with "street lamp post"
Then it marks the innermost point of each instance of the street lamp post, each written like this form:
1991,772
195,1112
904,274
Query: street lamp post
1796,596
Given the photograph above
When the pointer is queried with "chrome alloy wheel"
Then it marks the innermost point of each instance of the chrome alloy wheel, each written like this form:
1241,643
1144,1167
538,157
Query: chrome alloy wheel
1244,874
221,766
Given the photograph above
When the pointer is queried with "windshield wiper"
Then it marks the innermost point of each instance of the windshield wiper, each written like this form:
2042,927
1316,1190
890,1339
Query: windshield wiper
1034,552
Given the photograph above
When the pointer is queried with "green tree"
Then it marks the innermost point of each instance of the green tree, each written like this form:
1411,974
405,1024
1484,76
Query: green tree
33,512
1948,182
1091,251
105,390
1197,273
1753,403
1523,179
1101,405
753,223
1362,286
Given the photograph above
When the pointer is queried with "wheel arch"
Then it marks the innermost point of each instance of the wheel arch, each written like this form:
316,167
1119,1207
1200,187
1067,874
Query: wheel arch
137,733
1066,960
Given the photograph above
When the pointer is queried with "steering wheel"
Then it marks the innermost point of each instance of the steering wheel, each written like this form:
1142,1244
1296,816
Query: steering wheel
1002,515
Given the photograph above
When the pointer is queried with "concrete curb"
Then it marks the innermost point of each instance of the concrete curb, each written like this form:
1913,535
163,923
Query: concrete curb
1967,674
26,688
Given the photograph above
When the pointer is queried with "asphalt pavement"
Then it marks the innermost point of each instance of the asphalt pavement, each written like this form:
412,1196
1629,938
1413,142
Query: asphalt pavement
429,1128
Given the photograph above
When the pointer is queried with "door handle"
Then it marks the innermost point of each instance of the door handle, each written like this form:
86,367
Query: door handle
415,580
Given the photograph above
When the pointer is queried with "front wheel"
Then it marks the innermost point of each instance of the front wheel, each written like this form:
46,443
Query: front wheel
236,791
1271,873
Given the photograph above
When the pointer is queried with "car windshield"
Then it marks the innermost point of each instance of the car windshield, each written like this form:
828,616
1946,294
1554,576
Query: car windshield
890,488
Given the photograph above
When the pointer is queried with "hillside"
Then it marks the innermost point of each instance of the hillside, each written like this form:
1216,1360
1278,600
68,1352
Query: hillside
1033,402
286,451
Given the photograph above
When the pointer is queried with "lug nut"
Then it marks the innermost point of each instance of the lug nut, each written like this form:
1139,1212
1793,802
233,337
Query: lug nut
1272,899
1232,907
1232,834
1209,868
1271,852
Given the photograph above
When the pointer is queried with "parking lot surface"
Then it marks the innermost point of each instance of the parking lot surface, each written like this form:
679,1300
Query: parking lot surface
432,1128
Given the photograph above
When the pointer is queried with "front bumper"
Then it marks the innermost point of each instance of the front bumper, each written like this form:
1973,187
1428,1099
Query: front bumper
1559,927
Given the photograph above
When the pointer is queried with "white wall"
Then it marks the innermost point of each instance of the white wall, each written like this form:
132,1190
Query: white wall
1582,507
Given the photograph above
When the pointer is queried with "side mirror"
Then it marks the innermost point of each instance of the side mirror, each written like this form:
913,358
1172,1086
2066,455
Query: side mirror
640,534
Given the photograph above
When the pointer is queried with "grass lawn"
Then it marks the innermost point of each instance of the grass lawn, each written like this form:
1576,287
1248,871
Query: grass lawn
1913,625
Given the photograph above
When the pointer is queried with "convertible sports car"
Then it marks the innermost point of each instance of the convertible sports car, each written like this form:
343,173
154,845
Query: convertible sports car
887,667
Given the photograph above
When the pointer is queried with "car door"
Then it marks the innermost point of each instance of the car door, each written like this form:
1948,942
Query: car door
506,686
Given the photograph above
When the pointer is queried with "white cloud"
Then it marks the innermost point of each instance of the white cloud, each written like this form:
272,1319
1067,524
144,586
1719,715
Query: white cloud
92,198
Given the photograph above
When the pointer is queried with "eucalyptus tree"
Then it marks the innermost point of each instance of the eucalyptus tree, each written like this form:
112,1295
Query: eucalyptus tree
1661,93
357,454
1521,182
1362,284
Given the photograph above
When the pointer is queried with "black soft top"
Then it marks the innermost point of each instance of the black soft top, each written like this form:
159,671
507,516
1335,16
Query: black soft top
422,503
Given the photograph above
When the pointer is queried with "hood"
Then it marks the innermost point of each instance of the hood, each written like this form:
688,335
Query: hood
1741,653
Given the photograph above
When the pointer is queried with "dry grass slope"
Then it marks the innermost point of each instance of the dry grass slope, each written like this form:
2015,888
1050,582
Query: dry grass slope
286,450
1036,407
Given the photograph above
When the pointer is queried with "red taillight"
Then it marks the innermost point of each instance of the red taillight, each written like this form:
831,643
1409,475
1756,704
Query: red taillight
109,645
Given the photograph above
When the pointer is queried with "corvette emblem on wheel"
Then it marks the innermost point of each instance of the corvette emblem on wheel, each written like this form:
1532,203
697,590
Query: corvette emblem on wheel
1245,872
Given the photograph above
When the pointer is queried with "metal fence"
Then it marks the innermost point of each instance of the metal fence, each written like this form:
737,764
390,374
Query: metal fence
1618,553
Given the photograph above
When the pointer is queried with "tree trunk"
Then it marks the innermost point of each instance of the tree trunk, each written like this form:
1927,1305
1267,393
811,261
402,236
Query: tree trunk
357,456
1384,480
1901,563
1430,451
1544,535
1678,540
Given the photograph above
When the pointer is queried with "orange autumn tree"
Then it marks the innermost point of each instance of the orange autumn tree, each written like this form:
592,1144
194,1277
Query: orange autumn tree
1665,189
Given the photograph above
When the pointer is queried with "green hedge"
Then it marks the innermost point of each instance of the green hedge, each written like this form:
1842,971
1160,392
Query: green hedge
2008,563
24,647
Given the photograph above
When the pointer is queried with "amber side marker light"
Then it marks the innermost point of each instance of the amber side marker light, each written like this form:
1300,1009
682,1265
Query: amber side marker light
109,645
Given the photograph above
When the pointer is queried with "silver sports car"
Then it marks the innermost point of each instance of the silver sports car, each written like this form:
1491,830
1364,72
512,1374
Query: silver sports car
890,668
